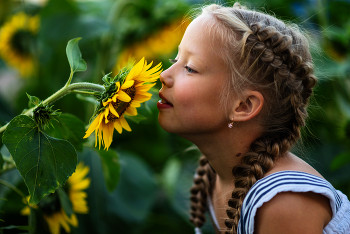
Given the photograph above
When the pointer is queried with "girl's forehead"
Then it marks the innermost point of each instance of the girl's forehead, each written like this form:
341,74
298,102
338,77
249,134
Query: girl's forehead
200,42
198,36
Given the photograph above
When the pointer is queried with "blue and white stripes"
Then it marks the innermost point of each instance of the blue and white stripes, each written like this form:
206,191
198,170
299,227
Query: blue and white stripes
284,181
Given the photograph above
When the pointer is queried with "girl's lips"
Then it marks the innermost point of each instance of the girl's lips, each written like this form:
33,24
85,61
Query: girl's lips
163,103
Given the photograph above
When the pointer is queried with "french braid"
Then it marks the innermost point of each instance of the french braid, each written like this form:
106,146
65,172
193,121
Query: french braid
274,59
200,191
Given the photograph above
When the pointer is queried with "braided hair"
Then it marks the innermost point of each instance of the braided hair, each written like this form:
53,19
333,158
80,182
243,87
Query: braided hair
273,58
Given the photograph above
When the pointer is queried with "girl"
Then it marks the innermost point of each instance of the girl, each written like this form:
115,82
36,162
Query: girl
238,89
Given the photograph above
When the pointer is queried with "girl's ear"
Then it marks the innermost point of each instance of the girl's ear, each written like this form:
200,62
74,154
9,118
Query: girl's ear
247,107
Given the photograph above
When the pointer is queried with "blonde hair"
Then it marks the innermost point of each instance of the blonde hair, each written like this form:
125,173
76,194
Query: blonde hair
268,55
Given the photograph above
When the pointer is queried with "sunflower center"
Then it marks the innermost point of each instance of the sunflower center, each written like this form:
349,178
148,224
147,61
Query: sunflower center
120,106
50,204
21,42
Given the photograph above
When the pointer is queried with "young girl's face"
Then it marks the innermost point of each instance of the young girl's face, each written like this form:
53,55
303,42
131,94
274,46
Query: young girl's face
191,92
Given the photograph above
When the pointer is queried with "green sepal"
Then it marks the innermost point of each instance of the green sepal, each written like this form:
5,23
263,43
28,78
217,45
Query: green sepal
65,201
110,166
75,60
33,101
107,79
122,74
44,162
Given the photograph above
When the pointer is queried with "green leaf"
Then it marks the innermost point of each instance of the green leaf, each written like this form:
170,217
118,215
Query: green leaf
111,167
70,128
44,162
76,63
340,160
33,101
65,201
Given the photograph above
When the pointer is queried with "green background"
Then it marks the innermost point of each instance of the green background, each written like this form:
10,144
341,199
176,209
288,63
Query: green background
157,167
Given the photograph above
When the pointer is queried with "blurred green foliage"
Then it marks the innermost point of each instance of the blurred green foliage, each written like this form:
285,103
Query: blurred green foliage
156,168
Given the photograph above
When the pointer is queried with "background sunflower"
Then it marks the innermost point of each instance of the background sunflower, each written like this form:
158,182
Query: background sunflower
55,206
17,40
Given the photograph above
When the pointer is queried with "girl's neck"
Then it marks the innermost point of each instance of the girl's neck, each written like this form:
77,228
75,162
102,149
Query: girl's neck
225,149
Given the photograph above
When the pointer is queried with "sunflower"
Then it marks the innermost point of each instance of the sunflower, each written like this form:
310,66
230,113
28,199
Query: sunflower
122,98
16,37
50,205
162,43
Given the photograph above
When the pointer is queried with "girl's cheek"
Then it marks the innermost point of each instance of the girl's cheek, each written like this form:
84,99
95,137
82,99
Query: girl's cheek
184,95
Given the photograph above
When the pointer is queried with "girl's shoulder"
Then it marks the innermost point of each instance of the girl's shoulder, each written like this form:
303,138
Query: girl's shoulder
298,199
293,213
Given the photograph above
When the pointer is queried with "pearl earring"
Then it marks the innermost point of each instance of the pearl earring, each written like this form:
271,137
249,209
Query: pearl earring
230,125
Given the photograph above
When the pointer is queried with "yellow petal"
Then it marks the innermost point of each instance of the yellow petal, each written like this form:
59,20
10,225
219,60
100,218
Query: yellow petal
125,124
142,98
108,101
100,135
135,104
127,84
146,67
114,112
84,184
118,126
114,98
136,70
53,223
63,221
106,112
73,220
118,85
131,111
78,175
123,96
92,126
108,135
145,88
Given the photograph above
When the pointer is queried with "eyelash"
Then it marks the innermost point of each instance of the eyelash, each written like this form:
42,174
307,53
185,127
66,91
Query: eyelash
189,70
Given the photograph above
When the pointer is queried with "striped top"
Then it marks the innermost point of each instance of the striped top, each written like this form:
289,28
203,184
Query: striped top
293,181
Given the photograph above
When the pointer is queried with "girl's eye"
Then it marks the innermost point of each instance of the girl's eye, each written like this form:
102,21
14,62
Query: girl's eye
190,70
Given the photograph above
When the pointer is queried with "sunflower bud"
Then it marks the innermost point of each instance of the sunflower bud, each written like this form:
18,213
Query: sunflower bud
43,114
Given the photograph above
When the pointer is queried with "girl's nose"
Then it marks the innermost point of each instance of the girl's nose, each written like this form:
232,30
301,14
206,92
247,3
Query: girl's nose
166,78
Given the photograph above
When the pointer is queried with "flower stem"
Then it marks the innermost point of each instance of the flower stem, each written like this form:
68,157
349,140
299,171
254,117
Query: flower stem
70,78
72,88
83,92
32,221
